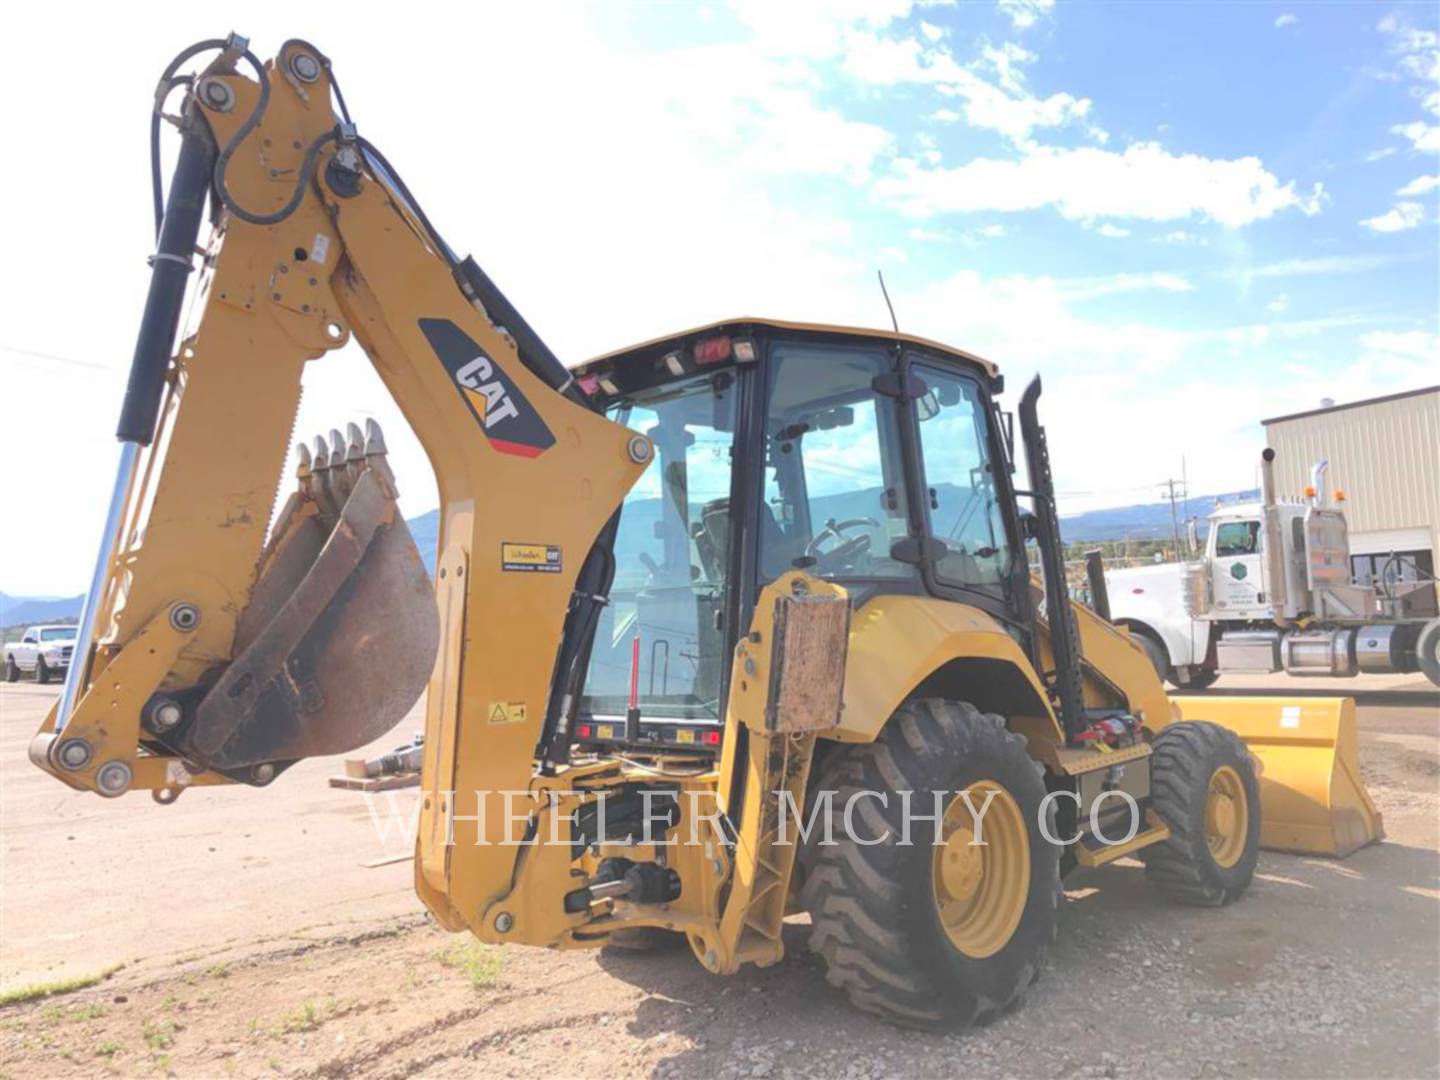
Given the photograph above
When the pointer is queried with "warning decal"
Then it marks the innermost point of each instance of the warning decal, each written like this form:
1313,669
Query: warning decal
507,712
530,558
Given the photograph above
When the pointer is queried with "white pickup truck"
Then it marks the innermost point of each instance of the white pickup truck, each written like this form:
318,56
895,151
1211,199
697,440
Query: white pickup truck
42,650
1273,593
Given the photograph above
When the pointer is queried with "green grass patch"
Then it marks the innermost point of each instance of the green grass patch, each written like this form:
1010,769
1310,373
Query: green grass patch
479,963
34,991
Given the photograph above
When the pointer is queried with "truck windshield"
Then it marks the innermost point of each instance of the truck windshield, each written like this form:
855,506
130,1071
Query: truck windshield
671,556
58,633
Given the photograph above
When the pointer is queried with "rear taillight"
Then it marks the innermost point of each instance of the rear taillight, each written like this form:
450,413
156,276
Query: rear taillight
713,350
712,738
584,731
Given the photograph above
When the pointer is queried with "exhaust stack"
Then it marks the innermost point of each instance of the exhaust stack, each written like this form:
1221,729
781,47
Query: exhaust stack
1275,585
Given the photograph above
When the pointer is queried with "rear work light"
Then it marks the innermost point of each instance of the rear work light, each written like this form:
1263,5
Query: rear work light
673,363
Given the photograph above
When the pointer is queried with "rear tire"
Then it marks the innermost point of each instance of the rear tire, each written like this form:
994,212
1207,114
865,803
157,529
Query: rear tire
12,673
1427,651
42,672
1204,788
876,903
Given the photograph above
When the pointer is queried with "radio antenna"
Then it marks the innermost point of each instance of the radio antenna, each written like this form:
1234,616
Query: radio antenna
886,293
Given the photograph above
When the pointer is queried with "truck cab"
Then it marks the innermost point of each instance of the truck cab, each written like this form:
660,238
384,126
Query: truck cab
43,651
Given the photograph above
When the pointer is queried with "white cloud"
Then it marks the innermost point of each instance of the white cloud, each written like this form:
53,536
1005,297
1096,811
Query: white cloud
1420,186
1143,182
1285,20
932,32
1279,305
931,236
1025,13
1381,154
1422,136
1323,264
1419,59
1399,218
1090,288
992,232
1421,345
1114,232
1178,236
877,60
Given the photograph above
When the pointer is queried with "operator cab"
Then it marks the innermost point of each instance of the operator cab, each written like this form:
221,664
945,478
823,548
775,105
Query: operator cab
869,458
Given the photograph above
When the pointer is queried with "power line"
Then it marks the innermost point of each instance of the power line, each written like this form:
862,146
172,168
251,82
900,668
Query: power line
59,359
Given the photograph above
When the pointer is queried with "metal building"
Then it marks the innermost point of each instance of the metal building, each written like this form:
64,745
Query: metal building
1384,454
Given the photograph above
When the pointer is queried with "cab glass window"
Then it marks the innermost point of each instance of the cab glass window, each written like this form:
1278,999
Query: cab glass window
671,556
963,504
1237,538
834,493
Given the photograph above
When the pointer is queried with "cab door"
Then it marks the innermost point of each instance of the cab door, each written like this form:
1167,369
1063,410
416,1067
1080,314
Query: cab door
966,502
1236,572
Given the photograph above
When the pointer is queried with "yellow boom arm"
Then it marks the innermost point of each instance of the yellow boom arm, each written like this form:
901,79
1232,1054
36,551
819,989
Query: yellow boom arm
212,656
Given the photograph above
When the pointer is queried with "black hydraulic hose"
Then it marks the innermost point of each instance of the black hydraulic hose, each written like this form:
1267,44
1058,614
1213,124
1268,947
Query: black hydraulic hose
168,81
169,269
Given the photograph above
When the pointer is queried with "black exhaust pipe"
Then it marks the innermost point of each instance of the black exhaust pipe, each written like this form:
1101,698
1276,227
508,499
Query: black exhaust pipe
1064,634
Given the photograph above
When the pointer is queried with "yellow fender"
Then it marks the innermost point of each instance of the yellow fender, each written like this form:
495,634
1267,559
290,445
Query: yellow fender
1312,799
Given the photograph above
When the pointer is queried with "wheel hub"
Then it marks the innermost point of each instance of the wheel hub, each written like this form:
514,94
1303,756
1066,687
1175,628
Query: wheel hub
981,875
1227,817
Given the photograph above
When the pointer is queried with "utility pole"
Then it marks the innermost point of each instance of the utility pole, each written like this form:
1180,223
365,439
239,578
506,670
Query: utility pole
1172,485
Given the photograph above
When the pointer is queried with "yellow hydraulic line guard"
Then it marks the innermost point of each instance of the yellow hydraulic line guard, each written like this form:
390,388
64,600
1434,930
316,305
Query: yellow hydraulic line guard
1312,798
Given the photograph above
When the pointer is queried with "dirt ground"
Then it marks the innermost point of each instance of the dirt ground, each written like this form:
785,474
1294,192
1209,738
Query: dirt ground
256,942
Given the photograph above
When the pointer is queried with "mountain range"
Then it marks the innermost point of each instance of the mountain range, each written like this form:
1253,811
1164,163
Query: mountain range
1140,521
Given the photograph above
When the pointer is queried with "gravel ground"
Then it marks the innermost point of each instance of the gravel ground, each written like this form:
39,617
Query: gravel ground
1324,969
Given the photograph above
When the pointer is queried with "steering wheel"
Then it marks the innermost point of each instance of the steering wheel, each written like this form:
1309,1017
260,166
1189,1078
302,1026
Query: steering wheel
845,550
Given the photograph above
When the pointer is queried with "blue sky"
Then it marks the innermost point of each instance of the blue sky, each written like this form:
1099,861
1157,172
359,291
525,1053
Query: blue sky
1186,216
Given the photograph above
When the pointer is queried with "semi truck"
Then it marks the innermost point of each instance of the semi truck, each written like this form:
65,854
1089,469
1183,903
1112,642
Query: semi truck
1273,592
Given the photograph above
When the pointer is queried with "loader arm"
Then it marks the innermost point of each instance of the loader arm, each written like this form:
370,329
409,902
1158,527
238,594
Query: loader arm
218,649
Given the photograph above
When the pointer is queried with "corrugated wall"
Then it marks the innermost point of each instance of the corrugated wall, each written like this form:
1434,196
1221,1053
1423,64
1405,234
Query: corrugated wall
1385,457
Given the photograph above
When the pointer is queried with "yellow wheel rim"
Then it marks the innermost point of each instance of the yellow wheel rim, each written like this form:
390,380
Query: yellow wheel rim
1227,817
981,889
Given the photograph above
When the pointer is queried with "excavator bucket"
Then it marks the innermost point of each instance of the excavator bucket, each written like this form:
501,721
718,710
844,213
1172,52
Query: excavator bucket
1312,798
340,634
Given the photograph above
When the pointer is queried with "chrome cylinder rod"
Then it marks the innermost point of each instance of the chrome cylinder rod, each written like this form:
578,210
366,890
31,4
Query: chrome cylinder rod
95,598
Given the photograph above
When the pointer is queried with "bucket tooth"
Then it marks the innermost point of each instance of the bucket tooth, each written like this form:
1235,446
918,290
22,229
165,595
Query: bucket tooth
339,478
374,440
376,457
354,452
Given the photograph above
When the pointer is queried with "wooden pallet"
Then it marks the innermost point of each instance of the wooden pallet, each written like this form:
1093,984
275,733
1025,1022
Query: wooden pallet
375,783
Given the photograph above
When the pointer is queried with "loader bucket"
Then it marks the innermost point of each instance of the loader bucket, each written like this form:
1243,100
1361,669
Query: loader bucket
1312,799
340,634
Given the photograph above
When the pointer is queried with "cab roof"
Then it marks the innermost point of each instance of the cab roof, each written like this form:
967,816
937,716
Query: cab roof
991,370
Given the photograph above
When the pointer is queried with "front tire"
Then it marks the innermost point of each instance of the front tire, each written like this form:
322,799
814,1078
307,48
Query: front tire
1199,679
12,672
925,935
42,672
1204,788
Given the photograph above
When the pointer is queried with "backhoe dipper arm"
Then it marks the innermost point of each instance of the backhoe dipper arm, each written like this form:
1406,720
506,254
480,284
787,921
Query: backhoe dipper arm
218,649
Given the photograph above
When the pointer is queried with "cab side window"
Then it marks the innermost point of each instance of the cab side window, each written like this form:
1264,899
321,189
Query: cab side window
1237,538
962,500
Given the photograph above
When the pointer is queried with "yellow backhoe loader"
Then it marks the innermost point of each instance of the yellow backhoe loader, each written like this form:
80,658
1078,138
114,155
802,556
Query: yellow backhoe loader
725,626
